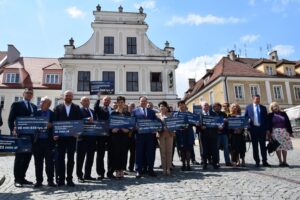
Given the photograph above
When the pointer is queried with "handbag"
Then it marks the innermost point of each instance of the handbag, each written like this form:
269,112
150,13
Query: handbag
272,145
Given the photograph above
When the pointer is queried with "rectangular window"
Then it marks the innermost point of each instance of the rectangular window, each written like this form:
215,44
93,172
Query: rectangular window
238,90
12,78
18,98
132,81
277,92
156,83
297,92
83,83
131,45
254,90
269,70
52,79
211,97
108,76
289,71
108,45
2,100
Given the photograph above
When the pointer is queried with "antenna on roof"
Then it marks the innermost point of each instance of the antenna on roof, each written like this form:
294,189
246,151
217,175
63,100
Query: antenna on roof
260,50
205,65
245,46
234,47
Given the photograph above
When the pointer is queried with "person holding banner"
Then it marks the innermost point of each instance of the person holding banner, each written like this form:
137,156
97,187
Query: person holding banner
185,138
281,130
22,108
165,139
237,139
145,142
43,146
258,127
119,140
103,142
209,137
67,111
86,144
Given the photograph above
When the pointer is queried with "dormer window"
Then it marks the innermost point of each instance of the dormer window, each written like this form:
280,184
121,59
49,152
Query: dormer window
12,78
52,79
269,70
289,71
206,80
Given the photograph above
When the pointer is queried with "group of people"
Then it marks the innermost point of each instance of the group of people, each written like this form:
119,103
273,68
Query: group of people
53,149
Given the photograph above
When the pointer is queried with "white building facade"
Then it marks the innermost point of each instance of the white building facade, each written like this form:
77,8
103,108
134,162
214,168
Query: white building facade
120,51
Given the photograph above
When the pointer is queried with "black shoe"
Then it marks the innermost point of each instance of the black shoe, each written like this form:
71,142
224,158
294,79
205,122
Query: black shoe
257,165
228,164
216,166
51,184
195,162
70,184
151,173
144,171
80,180
101,177
204,167
285,164
25,182
188,168
138,175
89,178
183,168
61,183
265,164
18,184
110,175
38,185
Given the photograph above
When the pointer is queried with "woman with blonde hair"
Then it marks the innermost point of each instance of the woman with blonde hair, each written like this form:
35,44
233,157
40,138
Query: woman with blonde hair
281,130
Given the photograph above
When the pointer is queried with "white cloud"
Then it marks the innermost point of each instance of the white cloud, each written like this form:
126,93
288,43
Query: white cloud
149,4
75,12
195,68
252,2
284,50
249,38
193,19
117,1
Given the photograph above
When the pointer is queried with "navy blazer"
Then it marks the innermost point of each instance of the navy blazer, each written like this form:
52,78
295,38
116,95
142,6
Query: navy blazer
249,114
19,109
60,113
139,114
86,114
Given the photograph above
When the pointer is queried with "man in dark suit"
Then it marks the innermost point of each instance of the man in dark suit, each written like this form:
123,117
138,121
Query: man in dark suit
66,111
86,145
22,108
257,115
43,146
103,142
145,143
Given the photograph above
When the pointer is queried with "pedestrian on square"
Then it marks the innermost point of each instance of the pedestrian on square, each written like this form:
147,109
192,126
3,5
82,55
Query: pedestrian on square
281,130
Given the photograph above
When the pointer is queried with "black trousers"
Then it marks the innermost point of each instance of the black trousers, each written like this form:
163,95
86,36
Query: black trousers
66,145
104,143
21,164
119,144
210,146
131,148
86,146
43,150
258,137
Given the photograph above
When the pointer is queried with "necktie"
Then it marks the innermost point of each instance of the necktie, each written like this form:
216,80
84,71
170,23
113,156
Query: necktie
28,106
144,109
258,114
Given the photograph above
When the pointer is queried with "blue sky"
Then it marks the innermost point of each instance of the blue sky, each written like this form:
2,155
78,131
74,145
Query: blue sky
201,31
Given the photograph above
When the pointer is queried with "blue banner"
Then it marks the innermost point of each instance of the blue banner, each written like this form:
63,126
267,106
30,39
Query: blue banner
11,144
102,87
95,128
68,128
175,123
117,121
193,119
148,126
31,125
212,121
237,122
197,109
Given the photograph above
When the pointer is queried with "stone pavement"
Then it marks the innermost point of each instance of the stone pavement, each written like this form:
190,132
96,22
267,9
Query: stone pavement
225,183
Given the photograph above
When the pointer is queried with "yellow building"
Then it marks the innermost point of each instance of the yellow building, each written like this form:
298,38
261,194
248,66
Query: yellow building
235,79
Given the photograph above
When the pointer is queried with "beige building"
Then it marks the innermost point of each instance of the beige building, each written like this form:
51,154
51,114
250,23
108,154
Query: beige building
236,79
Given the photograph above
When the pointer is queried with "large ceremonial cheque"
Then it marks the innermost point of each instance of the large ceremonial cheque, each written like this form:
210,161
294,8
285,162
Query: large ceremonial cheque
117,121
237,122
148,126
31,125
95,128
11,144
193,119
68,128
212,121
175,123
102,87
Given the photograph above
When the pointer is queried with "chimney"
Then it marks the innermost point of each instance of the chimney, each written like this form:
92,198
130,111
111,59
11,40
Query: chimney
232,56
192,82
12,53
273,56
